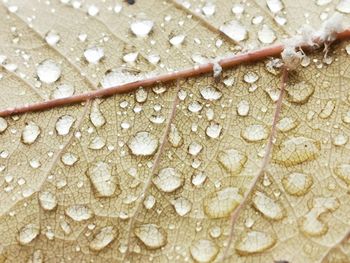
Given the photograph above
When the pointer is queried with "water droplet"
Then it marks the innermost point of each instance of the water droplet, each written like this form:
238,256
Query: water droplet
175,137
194,148
48,71
69,159
234,30
243,108
177,40
198,179
63,91
103,238
274,5
195,106
208,9
142,28
151,235
30,133
47,200
63,124
103,179
215,232
213,130
287,124
232,160
93,10
267,206
266,35
143,144
297,150
323,2
327,110
312,223
97,143
52,38
340,139
182,206
149,202
237,9
141,95
221,203
250,77
344,6
168,180
28,233
65,227
255,133
300,92
79,212
93,55
130,57
210,93
343,172
3,125
204,250
297,183
96,117
254,242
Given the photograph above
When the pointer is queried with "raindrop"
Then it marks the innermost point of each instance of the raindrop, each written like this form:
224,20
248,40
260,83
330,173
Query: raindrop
232,160
143,144
215,232
250,77
48,71
182,206
47,200
195,106
28,233
221,203
194,148
103,179
213,130
198,179
103,238
175,137
274,5
297,150
327,110
97,143
93,10
3,125
52,38
177,40
96,117
266,35
130,57
254,242
141,95
142,28
243,108
297,183
210,93
287,124
234,30
168,180
340,139
204,250
79,212
30,133
151,235
63,124
344,6
300,92
93,55
255,133
149,202
208,9
63,91
267,206
69,159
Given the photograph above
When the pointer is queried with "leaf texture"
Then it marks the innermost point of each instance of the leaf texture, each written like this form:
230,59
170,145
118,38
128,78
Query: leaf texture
156,175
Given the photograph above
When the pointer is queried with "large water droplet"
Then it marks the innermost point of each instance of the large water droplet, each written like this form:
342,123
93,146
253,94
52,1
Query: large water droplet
297,183
28,233
151,235
204,250
168,180
103,179
143,144
52,38
93,55
232,160
255,133
266,35
210,93
79,212
297,150
254,242
142,28
103,238
222,203
267,206
234,30
48,71
47,200
63,124
182,206
30,133
63,91
300,92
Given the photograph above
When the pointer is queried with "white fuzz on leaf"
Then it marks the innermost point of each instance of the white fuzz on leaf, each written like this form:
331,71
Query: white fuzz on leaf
330,28
291,58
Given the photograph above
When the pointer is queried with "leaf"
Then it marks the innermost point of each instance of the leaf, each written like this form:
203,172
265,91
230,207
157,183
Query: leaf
184,171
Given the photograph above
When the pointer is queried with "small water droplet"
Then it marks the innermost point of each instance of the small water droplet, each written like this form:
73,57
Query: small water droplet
78,212
327,110
69,159
143,144
250,77
195,106
63,124
151,235
215,232
63,91
210,93
204,250
182,206
28,233
48,71
300,92
342,170
142,28
93,55
168,180
255,133
30,133
198,179
194,148
52,37
344,6
93,10
141,95
287,124
221,203
266,35
175,137
254,242
47,200
208,9
3,125
267,206
213,130
232,160
177,40
234,30
149,202
243,108
297,183
97,143
274,5
96,116
103,238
